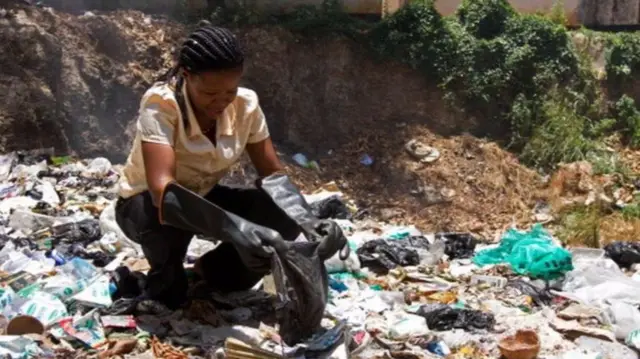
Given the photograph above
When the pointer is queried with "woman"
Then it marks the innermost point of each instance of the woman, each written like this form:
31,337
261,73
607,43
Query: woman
191,128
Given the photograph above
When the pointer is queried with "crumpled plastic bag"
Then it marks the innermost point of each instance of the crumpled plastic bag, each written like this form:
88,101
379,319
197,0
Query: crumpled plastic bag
107,223
625,254
458,245
625,317
83,231
302,285
530,253
331,208
443,318
605,286
429,253
380,256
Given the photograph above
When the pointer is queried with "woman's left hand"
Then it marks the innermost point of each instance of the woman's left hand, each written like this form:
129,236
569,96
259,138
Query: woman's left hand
329,234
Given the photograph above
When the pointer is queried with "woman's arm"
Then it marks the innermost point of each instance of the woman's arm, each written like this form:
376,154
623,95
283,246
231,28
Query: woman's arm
156,125
264,157
160,168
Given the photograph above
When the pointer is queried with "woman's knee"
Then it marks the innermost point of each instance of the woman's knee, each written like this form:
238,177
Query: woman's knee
223,270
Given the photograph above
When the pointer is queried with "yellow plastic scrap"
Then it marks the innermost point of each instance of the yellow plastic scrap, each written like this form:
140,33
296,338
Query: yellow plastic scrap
529,301
444,297
329,187
467,352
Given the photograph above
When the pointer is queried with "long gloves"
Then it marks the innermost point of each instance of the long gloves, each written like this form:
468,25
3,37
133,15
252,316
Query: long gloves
289,199
187,210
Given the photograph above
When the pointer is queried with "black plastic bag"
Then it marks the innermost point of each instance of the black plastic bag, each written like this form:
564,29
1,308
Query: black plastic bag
443,318
69,250
22,242
128,284
331,208
300,276
458,245
625,254
380,256
84,231
302,284
415,242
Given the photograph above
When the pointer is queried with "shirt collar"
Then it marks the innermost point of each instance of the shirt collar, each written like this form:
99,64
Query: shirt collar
225,125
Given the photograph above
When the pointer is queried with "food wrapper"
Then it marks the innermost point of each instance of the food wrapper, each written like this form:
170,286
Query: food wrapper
45,307
96,294
118,321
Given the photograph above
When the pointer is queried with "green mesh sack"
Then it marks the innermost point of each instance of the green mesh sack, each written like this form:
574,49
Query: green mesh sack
531,253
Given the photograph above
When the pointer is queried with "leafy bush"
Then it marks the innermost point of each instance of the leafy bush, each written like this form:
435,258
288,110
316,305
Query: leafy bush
416,35
328,18
485,19
623,56
561,138
628,120
557,13
539,45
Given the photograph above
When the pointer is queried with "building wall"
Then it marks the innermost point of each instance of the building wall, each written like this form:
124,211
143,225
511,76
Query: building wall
446,7
585,12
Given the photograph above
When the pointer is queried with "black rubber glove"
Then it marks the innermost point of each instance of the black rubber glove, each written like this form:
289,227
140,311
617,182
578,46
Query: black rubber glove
187,210
289,199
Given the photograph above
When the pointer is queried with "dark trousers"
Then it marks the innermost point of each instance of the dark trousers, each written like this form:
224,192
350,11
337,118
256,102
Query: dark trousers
165,247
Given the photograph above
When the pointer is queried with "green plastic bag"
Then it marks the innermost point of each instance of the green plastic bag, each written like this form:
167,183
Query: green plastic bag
530,253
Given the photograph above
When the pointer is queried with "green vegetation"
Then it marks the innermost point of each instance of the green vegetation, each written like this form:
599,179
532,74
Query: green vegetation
623,58
580,226
632,210
521,73
628,120
557,13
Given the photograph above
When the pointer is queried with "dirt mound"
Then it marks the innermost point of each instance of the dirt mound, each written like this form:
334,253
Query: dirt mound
473,186
74,82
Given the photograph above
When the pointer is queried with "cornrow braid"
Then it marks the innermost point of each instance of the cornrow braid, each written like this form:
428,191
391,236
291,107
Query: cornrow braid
208,48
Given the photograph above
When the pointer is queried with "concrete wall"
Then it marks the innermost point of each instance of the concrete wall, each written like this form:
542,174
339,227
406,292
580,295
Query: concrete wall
578,12
586,12
369,7
446,7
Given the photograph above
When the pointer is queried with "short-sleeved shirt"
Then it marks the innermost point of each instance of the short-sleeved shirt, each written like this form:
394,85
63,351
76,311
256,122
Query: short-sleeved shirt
199,164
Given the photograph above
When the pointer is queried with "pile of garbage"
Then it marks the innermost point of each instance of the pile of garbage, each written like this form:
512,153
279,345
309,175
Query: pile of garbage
67,276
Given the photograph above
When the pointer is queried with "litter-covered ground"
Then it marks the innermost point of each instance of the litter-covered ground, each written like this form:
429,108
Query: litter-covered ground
68,276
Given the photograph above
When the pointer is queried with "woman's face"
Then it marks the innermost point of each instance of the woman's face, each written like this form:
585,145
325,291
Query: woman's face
211,92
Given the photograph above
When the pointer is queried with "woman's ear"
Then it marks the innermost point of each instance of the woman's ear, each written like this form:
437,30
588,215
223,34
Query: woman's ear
185,73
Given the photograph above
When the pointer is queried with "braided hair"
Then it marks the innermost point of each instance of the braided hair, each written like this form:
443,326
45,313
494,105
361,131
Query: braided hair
208,48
